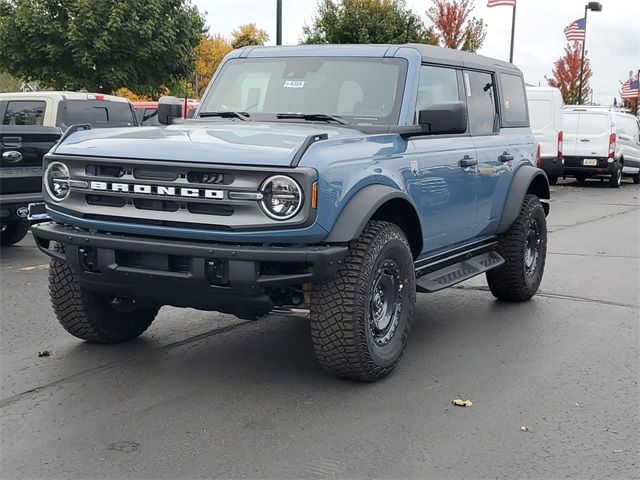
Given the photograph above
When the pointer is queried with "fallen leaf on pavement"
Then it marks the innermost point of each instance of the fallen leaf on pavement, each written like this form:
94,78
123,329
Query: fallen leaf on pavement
35,267
44,353
524,429
458,402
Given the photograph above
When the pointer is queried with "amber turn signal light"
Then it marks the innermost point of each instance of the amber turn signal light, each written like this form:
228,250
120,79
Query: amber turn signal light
314,195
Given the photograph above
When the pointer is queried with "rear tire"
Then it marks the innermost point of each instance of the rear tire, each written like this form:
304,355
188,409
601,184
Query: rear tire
582,179
636,178
14,231
524,249
553,179
616,177
360,319
92,316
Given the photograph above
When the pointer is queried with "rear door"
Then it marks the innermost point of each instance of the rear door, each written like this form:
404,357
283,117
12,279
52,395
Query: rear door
499,150
570,122
594,129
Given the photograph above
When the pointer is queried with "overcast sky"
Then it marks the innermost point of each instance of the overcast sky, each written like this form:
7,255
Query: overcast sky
613,35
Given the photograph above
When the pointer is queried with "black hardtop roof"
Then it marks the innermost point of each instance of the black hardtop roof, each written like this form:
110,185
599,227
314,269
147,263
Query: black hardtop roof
429,53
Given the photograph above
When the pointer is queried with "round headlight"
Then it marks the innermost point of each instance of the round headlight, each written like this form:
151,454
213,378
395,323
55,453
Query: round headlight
281,197
56,181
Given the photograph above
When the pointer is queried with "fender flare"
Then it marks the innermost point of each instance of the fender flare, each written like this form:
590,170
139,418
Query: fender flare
523,179
359,209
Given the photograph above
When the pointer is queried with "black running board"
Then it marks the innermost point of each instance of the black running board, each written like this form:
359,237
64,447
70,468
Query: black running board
456,270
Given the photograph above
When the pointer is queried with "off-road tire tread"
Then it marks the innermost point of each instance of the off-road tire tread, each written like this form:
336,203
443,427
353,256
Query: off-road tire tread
338,339
86,315
15,231
507,282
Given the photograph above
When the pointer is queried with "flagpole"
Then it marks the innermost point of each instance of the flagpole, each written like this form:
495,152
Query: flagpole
513,29
584,41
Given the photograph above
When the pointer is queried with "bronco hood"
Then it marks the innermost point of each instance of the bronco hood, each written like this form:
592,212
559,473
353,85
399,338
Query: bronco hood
261,144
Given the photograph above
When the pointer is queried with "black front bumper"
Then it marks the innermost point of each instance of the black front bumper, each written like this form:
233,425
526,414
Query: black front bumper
227,278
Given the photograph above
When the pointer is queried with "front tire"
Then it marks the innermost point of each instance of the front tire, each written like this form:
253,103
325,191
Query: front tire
615,181
636,178
360,319
524,249
14,231
92,316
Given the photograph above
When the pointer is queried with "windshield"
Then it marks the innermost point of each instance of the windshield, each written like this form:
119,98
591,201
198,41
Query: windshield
360,90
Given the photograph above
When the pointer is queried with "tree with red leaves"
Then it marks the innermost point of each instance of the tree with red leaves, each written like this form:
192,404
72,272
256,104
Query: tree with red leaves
452,27
566,74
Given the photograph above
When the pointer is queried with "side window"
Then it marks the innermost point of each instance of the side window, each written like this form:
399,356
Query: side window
481,102
514,106
150,117
437,84
24,113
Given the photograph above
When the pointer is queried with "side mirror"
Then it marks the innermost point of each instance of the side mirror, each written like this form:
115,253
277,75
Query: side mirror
168,109
444,118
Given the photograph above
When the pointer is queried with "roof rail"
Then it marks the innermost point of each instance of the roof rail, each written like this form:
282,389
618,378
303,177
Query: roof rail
610,108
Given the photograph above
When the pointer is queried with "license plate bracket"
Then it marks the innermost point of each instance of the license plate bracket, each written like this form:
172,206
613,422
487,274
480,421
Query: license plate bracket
37,212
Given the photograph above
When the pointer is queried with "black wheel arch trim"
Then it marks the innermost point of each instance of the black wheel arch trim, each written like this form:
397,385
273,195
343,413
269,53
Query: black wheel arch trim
360,209
526,179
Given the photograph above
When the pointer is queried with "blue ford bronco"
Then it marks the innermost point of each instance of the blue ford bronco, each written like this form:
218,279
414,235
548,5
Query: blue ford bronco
332,180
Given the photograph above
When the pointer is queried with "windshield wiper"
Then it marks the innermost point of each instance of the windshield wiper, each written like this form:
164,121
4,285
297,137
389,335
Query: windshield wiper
314,116
244,116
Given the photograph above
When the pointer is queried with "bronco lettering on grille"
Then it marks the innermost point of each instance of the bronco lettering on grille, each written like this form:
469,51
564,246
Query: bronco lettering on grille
162,190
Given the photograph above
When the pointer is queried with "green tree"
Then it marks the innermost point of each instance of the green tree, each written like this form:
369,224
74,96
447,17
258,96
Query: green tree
364,21
100,45
248,34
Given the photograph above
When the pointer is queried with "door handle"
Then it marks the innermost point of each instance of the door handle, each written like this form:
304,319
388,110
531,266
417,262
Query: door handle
467,161
505,157
12,142
584,140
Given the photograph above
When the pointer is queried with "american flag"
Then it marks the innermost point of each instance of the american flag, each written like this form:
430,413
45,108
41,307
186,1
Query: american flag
575,31
497,3
629,89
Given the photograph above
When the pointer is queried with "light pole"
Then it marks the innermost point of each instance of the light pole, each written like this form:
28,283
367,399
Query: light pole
278,22
594,7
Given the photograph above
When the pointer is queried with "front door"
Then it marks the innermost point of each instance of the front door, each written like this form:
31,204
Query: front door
442,185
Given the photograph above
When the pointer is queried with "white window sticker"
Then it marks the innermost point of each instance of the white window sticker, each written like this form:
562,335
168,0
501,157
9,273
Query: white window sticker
467,84
293,84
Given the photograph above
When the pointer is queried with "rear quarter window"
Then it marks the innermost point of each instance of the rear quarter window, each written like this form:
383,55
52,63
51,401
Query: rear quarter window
97,113
514,105
22,112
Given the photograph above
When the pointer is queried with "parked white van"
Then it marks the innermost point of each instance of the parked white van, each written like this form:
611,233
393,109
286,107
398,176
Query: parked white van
545,117
601,142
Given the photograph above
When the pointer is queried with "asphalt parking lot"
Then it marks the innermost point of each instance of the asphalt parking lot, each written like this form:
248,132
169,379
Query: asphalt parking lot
207,395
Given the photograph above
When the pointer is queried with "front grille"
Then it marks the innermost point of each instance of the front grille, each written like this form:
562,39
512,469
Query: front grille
175,193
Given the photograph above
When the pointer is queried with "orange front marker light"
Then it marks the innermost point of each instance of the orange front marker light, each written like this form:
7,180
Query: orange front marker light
314,195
